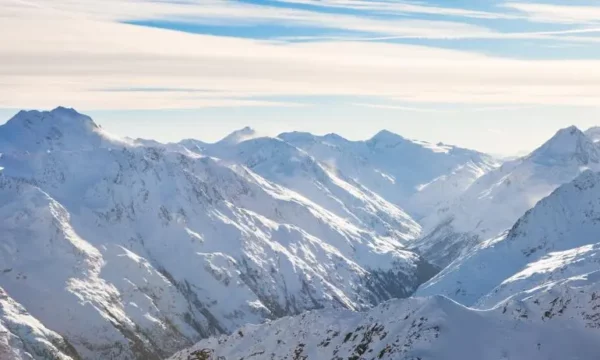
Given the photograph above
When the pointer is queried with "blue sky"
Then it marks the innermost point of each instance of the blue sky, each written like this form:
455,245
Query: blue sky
498,76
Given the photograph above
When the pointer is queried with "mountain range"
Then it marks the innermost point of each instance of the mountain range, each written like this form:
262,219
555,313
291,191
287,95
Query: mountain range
558,324
497,199
136,251
121,248
533,293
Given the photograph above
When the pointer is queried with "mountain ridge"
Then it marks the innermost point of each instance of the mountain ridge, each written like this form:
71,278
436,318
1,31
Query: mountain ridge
549,307
394,167
498,198
421,328
553,241
141,250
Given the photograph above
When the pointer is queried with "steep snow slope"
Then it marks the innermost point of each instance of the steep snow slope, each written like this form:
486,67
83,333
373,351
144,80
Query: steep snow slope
540,284
23,337
397,168
133,251
575,299
446,187
67,283
554,242
422,328
496,200
286,165
593,133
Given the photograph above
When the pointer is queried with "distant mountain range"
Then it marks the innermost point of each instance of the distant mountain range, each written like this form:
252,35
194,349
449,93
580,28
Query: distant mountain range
534,292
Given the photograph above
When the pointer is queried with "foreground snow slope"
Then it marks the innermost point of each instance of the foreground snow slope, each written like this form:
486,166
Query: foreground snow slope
556,241
497,199
131,251
413,174
563,326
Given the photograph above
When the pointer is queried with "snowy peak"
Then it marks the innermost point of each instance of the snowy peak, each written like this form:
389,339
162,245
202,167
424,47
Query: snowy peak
593,133
555,241
394,167
239,136
60,117
566,145
192,145
496,200
70,114
150,247
261,149
59,129
385,138
284,164
335,138
300,139
572,203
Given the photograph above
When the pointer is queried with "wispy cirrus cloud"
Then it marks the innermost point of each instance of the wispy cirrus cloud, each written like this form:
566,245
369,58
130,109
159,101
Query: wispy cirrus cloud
400,108
76,52
183,15
234,13
402,7
555,13
437,110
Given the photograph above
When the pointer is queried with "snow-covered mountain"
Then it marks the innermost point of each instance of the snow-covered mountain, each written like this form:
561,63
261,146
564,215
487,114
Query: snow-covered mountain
556,242
593,133
227,142
497,199
414,175
286,165
23,336
563,324
538,286
116,248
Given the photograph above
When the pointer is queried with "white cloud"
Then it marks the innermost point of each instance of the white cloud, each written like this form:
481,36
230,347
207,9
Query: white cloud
50,57
438,110
399,7
567,14
400,108
222,12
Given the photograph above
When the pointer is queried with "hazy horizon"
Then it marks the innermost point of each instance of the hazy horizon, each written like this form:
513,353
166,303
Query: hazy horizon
496,76
133,127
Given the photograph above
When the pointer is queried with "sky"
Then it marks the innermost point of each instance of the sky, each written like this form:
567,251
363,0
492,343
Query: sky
496,76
